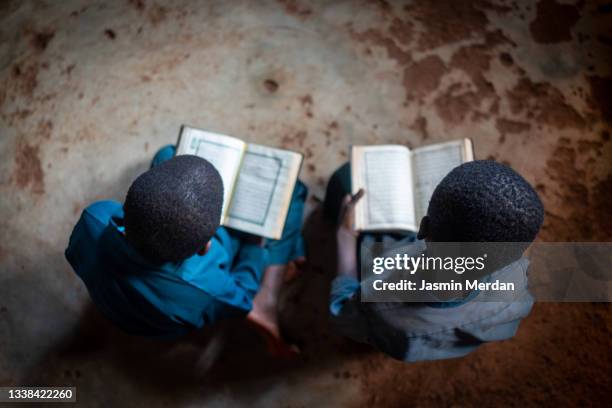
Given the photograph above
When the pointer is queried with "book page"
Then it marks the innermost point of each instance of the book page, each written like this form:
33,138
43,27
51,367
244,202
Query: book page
223,152
263,190
430,164
386,175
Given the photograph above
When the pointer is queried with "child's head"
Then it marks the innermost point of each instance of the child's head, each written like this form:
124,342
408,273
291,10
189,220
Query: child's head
173,209
483,201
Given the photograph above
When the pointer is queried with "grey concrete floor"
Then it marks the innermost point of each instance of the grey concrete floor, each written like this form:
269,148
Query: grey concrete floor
90,89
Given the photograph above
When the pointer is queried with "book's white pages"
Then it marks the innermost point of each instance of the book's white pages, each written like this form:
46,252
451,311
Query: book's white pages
263,190
430,164
385,173
399,182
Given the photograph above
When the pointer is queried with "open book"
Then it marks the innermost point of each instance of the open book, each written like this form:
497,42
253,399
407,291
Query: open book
258,180
399,182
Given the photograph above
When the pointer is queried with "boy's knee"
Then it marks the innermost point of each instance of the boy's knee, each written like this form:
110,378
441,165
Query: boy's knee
165,153
338,186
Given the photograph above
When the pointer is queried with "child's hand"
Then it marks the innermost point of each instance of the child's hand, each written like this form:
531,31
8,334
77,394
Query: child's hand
346,236
346,219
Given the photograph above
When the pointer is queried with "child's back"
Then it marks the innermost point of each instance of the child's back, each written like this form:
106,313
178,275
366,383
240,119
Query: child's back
158,265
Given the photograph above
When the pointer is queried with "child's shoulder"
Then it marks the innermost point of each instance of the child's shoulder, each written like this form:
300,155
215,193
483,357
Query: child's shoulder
103,210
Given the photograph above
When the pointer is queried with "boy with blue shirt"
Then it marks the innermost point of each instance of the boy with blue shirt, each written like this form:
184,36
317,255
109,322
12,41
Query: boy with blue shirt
479,201
161,266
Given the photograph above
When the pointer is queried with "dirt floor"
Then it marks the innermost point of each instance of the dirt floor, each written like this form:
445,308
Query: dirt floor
90,89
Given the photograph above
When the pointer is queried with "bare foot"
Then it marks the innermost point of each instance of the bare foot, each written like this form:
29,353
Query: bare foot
294,269
264,315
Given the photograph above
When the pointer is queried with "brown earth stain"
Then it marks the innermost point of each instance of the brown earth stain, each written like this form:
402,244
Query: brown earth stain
456,103
602,207
76,13
475,60
69,69
382,5
138,4
294,140
306,100
28,172
388,43
39,40
307,103
270,85
157,14
87,133
588,146
450,21
601,94
545,104
506,59
402,31
294,8
420,126
419,78
44,129
580,200
24,78
17,116
423,76
553,22
507,126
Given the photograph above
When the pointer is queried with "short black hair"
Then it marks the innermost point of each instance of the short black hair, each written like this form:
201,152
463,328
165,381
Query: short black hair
173,209
484,201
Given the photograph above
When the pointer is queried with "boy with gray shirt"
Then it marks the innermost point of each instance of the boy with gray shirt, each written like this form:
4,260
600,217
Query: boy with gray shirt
479,201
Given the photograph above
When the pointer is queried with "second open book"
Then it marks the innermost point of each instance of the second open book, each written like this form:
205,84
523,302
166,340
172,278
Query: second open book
258,180
399,182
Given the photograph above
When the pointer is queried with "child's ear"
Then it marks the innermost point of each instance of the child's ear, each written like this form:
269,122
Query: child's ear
204,250
423,228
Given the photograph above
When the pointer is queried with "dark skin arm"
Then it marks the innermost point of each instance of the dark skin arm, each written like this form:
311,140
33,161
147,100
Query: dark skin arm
346,236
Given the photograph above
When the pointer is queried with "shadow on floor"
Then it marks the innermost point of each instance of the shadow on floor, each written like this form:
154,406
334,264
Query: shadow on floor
226,353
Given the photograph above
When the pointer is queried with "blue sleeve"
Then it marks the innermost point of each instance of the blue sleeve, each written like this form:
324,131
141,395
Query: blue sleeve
347,318
343,288
81,250
230,271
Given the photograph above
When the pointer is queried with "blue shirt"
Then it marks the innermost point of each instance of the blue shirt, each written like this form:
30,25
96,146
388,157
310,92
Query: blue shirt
163,300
